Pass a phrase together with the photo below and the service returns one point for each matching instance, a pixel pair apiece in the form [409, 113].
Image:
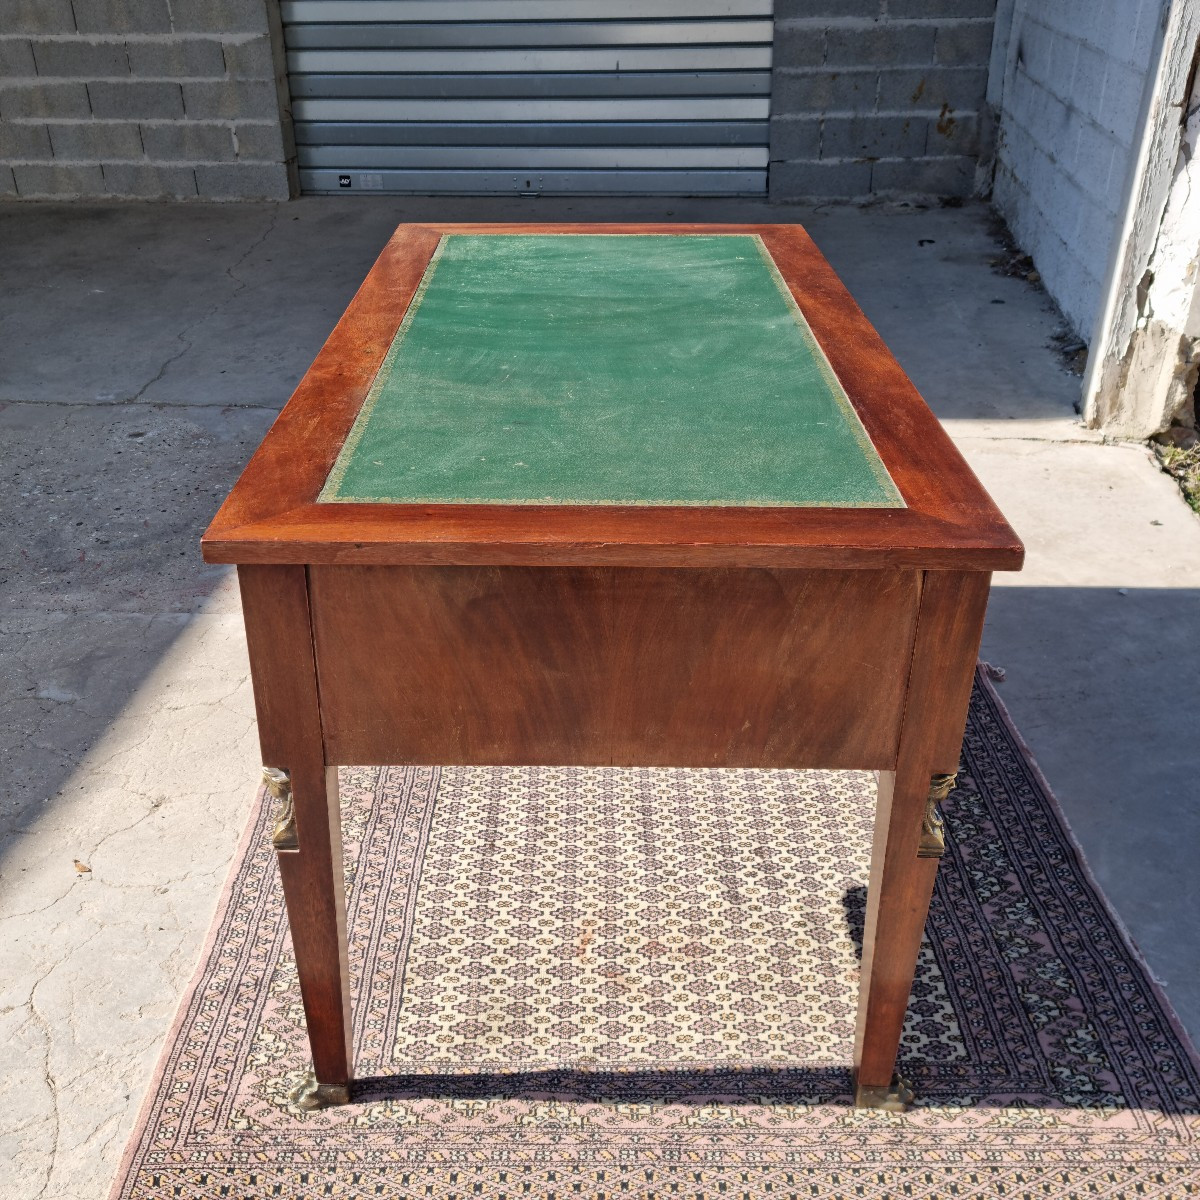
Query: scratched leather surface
[627, 369]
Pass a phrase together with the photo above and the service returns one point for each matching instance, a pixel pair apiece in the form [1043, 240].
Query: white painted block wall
[1072, 94]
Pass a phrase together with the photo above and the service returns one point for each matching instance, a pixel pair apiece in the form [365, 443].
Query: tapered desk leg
[908, 842]
[307, 834]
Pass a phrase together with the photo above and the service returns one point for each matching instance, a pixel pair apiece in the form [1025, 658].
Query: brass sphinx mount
[279, 783]
[933, 831]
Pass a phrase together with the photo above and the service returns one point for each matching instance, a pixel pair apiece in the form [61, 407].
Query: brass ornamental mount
[279, 784]
[896, 1096]
[309, 1095]
[933, 832]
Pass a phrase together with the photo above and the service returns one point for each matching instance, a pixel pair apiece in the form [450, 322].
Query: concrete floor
[143, 352]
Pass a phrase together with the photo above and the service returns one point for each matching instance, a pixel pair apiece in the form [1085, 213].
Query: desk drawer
[627, 666]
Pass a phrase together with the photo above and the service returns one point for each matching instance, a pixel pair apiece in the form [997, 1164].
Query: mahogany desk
[641, 495]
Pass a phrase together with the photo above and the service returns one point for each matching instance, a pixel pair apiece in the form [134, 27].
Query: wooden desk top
[554, 394]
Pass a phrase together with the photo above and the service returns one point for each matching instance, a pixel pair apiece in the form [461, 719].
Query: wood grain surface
[624, 666]
[949, 628]
[275, 604]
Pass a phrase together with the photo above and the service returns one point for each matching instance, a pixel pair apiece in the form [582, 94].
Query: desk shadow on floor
[732, 1085]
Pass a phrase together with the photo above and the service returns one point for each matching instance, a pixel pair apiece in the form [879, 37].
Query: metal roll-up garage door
[550, 96]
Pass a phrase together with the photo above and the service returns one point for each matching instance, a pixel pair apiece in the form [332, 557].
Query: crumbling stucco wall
[1145, 353]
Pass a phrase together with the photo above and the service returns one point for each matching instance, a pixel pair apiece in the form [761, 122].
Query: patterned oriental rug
[602, 983]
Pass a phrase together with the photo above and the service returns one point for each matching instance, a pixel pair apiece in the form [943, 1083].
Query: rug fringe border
[984, 679]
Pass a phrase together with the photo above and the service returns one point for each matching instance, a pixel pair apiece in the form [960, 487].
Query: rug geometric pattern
[642, 982]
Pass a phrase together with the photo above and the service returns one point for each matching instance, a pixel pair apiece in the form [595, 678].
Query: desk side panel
[613, 666]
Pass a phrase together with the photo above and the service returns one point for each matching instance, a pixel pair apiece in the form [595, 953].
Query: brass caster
[896, 1096]
[309, 1095]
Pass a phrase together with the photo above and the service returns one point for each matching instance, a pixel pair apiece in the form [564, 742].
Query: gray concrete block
[188, 141]
[231, 99]
[819, 91]
[16, 58]
[795, 137]
[123, 16]
[930, 88]
[136, 99]
[181, 59]
[786, 10]
[963, 44]
[243, 181]
[801, 180]
[260, 141]
[1096, 150]
[886, 43]
[250, 60]
[1060, 198]
[220, 16]
[924, 177]
[1121, 105]
[149, 181]
[1111, 26]
[1044, 116]
[873, 136]
[36, 16]
[798, 45]
[37, 99]
[944, 9]
[57, 179]
[8, 184]
[953, 133]
[1019, 101]
[98, 140]
[1040, 47]
[1139, 49]
[91, 60]
[1060, 57]
[24, 142]
[1095, 227]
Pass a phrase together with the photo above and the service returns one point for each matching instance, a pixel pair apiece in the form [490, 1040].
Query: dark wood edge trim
[358, 546]
[923, 461]
[519, 554]
[291, 463]
[603, 227]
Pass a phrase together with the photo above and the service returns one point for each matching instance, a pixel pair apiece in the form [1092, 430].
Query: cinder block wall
[879, 97]
[1072, 96]
[148, 98]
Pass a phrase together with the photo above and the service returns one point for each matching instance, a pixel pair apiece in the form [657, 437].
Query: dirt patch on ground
[1184, 467]
[1012, 261]
[1178, 453]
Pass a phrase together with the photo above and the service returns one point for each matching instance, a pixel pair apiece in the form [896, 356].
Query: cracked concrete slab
[92, 965]
[145, 351]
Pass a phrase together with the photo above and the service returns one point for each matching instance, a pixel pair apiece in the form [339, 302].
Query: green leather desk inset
[607, 369]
